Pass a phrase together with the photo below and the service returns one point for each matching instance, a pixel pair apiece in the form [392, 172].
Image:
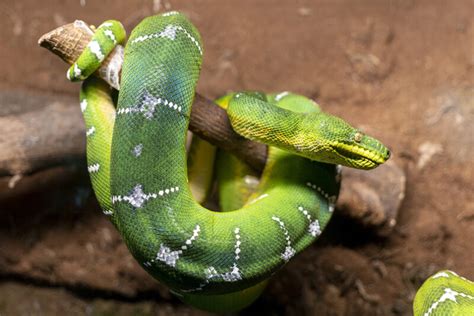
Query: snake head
[334, 141]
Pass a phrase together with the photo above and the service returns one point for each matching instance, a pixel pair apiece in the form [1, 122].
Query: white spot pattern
[110, 35]
[211, 273]
[258, 198]
[137, 197]
[230, 276]
[314, 228]
[170, 13]
[137, 150]
[90, 131]
[170, 33]
[237, 243]
[193, 237]
[169, 257]
[93, 168]
[461, 277]
[148, 107]
[289, 251]
[280, 96]
[83, 105]
[94, 46]
[108, 212]
[440, 274]
[77, 71]
[331, 199]
[449, 294]
[233, 275]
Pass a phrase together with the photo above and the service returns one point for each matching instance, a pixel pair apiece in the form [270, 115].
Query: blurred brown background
[402, 70]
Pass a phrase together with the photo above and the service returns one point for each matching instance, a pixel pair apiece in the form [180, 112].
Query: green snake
[138, 167]
[445, 293]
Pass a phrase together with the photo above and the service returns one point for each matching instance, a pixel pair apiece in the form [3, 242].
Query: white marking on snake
[230, 276]
[90, 131]
[93, 168]
[258, 198]
[77, 71]
[192, 39]
[314, 229]
[169, 257]
[137, 150]
[148, 106]
[110, 35]
[94, 46]
[170, 33]
[211, 273]
[449, 294]
[170, 13]
[106, 24]
[195, 235]
[331, 207]
[233, 275]
[237, 243]
[280, 96]
[461, 277]
[289, 251]
[138, 197]
[108, 212]
[83, 105]
[440, 274]
[331, 199]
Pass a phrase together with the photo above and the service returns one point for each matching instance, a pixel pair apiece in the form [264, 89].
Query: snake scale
[137, 161]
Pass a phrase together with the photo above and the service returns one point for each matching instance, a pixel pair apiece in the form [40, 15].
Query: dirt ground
[402, 70]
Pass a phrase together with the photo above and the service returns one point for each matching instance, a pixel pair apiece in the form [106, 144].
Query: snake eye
[358, 137]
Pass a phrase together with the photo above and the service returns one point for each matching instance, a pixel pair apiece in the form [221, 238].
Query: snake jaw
[367, 153]
[330, 139]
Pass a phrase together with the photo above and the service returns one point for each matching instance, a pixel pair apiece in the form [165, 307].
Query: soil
[400, 70]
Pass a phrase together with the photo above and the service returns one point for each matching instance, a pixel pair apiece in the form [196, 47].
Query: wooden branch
[208, 120]
[38, 132]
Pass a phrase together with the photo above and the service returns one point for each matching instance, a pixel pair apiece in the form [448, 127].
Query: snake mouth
[362, 158]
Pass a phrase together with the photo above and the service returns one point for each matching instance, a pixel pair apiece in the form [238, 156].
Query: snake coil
[139, 170]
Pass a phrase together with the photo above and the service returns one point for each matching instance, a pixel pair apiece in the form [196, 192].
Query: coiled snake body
[138, 167]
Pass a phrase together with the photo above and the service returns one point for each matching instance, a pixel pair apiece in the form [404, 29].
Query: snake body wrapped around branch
[138, 167]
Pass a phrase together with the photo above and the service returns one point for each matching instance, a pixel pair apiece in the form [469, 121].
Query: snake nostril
[388, 154]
